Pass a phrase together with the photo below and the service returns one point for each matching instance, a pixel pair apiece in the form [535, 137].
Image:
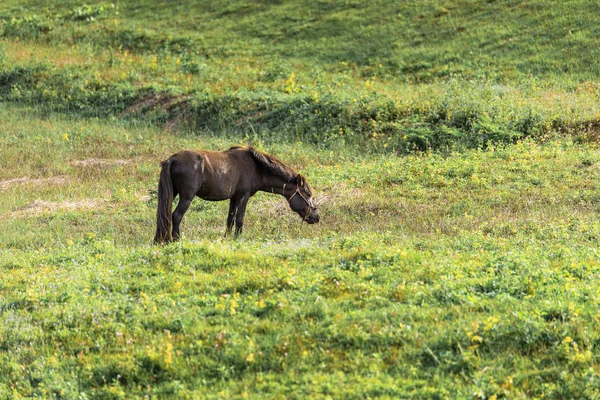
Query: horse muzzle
[312, 219]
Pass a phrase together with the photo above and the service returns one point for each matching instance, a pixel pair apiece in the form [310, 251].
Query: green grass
[461, 276]
[453, 148]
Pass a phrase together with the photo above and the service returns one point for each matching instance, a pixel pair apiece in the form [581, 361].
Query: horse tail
[164, 221]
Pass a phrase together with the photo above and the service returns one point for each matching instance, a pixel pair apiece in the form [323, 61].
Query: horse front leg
[239, 215]
[233, 203]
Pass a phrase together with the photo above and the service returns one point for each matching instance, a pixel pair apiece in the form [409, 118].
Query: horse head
[302, 202]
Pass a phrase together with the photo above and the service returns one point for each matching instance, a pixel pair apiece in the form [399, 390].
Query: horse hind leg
[182, 207]
[187, 180]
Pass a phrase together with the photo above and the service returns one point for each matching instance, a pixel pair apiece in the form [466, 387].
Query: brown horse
[235, 174]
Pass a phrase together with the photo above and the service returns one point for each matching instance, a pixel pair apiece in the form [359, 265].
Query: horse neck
[278, 185]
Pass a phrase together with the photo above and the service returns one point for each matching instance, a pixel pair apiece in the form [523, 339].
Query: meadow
[452, 147]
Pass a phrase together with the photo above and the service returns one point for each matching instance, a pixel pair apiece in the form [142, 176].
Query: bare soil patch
[54, 180]
[155, 101]
[100, 162]
[39, 207]
[176, 106]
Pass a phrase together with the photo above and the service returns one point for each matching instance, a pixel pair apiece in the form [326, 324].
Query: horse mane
[273, 164]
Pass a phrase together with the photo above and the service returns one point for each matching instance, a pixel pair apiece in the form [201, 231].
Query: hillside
[385, 76]
[411, 41]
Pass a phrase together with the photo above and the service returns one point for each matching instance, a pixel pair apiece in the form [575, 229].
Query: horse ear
[299, 180]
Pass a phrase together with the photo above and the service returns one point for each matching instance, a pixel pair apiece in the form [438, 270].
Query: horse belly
[209, 192]
[218, 189]
[213, 197]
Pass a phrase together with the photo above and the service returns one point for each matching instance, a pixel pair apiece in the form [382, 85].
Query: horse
[235, 174]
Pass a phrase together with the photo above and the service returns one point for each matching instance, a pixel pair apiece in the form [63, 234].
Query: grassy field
[470, 275]
[452, 146]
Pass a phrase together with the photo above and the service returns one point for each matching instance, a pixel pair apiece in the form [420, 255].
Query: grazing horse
[235, 174]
